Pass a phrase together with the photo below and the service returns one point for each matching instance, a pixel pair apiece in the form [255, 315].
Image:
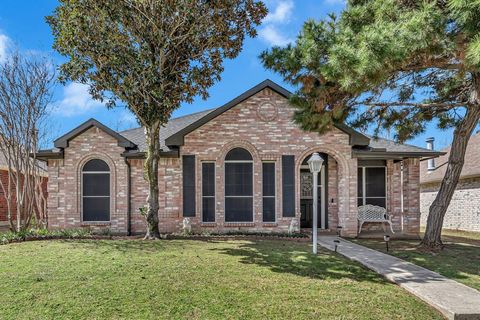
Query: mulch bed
[218, 237]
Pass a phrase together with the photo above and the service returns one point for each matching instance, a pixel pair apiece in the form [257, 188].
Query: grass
[187, 279]
[459, 260]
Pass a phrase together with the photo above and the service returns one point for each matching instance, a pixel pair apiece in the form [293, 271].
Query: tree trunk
[432, 239]
[151, 174]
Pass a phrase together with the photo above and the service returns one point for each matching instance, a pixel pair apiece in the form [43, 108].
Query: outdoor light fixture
[337, 242]
[386, 238]
[339, 230]
[315, 164]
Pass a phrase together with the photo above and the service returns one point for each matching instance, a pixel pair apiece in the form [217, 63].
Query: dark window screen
[96, 209]
[208, 192]
[238, 186]
[288, 185]
[268, 209]
[188, 169]
[96, 184]
[375, 182]
[96, 191]
[238, 154]
[238, 179]
[208, 179]
[239, 209]
[96, 165]
[360, 182]
[268, 183]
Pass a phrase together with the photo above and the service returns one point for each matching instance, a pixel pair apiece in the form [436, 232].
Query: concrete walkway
[453, 299]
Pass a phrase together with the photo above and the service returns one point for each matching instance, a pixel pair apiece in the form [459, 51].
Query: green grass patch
[459, 260]
[186, 279]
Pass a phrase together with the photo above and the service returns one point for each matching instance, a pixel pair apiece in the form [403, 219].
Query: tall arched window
[238, 186]
[96, 191]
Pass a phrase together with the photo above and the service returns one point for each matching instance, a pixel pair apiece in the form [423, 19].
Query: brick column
[332, 196]
[394, 193]
[347, 187]
[411, 196]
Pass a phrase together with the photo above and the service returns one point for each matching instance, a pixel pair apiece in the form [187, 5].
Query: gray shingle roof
[173, 133]
[392, 146]
[137, 135]
[471, 166]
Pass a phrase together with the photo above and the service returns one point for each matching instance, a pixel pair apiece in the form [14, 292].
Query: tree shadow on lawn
[458, 260]
[296, 259]
[277, 255]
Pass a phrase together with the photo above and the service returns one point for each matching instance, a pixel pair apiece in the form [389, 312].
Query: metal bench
[371, 213]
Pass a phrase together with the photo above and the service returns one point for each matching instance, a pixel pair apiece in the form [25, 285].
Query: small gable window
[238, 186]
[96, 191]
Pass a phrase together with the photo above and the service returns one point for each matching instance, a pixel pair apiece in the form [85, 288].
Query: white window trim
[364, 185]
[109, 195]
[214, 192]
[225, 189]
[275, 190]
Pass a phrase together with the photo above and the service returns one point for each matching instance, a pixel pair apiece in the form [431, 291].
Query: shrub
[35, 234]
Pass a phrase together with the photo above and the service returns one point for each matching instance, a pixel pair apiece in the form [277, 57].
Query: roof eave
[142, 155]
[63, 141]
[372, 154]
[45, 155]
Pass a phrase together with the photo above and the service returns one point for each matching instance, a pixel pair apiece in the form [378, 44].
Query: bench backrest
[371, 212]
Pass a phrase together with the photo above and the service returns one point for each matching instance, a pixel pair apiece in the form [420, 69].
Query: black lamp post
[386, 238]
[336, 242]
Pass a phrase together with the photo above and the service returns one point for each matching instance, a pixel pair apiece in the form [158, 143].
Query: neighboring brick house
[464, 210]
[238, 167]
[4, 224]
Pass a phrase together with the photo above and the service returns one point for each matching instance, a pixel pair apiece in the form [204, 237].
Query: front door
[306, 199]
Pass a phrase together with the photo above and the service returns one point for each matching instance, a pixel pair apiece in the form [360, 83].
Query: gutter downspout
[129, 193]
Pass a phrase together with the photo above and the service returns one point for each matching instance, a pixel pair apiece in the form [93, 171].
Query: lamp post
[315, 164]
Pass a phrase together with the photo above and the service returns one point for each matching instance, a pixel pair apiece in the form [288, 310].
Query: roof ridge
[176, 118]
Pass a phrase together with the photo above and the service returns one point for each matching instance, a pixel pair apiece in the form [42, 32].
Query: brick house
[463, 213]
[4, 224]
[238, 167]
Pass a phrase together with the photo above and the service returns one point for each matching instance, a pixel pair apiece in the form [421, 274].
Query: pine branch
[447, 105]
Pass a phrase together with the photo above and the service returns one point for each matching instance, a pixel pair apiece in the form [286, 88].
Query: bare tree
[26, 84]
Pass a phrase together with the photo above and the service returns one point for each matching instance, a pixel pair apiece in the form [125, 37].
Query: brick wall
[3, 199]
[64, 186]
[464, 210]
[261, 124]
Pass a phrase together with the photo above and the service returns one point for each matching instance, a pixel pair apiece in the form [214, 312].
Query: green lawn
[459, 260]
[186, 279]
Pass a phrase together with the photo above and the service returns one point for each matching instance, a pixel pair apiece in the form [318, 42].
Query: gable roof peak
[63, 141]
[177, 139]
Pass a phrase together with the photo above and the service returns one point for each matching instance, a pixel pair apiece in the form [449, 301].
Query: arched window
[238, 186]
[96, 191]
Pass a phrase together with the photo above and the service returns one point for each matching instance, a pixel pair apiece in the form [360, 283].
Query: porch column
[394, 193]
[411, 196]
[347, 188]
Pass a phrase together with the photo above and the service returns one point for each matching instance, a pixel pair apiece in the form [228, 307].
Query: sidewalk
[453, 299]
